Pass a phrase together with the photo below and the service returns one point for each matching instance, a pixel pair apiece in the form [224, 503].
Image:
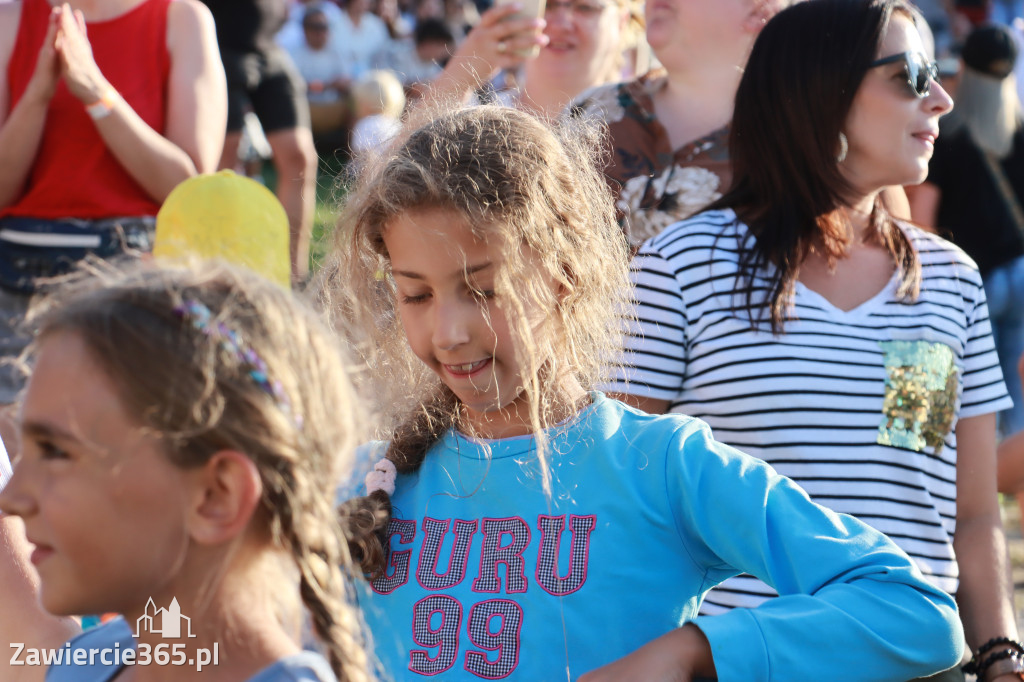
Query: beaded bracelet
[976, 665]
[996, 641]
[1001, 663]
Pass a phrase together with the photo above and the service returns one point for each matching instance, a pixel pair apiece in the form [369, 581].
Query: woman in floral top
[669, 128]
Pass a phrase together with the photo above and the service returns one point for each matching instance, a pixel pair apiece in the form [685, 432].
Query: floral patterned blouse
[654, 185]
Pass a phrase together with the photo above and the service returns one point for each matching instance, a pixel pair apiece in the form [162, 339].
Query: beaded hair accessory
[201, 319]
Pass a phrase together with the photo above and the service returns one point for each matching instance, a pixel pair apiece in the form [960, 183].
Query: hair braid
[308, 529]
[365, 519]
[321, 587]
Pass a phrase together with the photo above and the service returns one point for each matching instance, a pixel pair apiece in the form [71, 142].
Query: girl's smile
[469, 369]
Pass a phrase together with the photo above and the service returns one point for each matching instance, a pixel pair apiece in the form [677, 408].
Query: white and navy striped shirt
[857, 406]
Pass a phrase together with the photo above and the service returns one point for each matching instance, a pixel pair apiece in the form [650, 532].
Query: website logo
[164, 622]
[169, 623]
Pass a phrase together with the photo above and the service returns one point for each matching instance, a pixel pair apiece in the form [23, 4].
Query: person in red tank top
[105, 106]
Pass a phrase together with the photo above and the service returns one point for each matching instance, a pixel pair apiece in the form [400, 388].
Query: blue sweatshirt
[491, 578]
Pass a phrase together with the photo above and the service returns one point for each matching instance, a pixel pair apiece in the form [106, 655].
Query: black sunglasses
[920, 72]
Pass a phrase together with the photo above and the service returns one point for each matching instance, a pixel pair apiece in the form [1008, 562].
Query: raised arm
[497, 42]
[21, 128]
[196, 100]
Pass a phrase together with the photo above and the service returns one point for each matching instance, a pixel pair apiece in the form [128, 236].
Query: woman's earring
[844, 147]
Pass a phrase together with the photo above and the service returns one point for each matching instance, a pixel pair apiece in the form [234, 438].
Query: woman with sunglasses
[811, 329]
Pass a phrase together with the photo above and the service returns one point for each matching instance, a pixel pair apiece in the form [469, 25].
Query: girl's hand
[44, 79]
[503, 40]
[681, 655]
[77, 65]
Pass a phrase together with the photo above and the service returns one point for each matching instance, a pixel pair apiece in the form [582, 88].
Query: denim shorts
[32, 250]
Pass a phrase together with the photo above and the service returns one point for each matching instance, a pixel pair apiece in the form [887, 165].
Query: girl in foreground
[178, 431]
[535, 530]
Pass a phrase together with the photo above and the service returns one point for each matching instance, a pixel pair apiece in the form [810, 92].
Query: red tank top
[74, 176]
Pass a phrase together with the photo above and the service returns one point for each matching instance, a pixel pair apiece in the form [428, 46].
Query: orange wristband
[103, 106]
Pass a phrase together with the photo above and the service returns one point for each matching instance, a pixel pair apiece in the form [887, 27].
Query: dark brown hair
[791, 105]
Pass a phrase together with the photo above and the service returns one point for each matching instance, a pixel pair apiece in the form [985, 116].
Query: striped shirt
[857, 406]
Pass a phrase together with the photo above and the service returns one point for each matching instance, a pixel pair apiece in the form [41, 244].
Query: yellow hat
[225, 216]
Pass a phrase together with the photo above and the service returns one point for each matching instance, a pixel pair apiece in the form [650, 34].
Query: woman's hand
[77, 65]
[502, 39]
[681, 655]
[499, 41]
[44, 79]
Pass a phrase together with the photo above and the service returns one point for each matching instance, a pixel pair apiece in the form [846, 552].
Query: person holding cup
[564, 48]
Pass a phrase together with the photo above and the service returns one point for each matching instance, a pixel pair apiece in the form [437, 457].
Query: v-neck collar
[812, 297]
[857, 312]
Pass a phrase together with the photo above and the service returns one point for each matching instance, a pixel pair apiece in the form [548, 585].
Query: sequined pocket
[921, 385]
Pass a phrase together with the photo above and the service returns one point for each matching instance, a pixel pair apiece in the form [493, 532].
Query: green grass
[328, 200]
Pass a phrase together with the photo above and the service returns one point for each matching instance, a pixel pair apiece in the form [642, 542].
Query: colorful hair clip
[202, 320]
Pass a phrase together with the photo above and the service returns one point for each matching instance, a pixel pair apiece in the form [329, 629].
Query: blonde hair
[380, 92]
[537, 193]
[199, 397]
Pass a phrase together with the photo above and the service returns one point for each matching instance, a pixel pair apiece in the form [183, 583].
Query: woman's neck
[858, 214]
[236, 617]
[696, 101]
